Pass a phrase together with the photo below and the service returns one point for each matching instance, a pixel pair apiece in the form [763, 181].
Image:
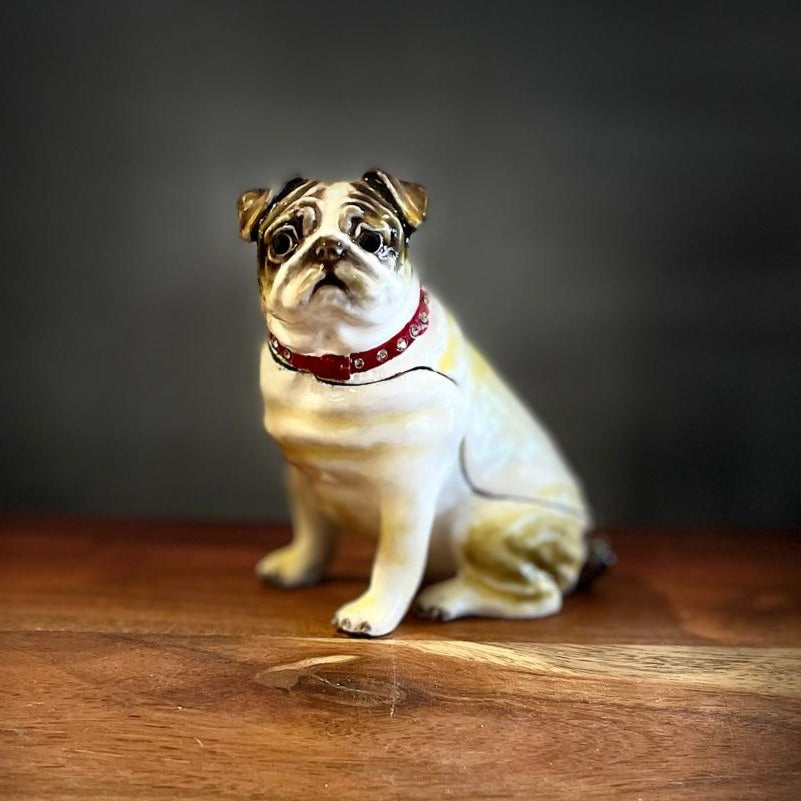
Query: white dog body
[428, 452]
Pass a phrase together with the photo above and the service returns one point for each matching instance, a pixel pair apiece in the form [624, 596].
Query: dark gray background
[615, 215]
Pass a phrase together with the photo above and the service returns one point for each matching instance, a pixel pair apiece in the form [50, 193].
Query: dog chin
[330, 291]
[325, 299]
[331, 304]
[331, 298]
[330, 281]
[345, 290]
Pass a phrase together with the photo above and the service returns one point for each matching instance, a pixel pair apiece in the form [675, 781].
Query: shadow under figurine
[394, 426]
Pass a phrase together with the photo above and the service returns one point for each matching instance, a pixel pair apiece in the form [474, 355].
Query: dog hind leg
[514, 563]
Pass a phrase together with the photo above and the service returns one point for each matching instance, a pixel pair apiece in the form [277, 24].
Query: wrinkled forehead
[330, 202]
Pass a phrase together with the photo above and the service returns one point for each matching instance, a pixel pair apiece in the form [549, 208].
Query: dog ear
[252, 206]
[411, 200]
[255, 203]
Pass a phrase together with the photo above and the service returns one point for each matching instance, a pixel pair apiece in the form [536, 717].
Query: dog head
[333, 257]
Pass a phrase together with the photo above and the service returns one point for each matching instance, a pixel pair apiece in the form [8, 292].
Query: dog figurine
[393, 426]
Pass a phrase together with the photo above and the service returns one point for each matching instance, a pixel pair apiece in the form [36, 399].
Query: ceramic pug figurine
[393, 425]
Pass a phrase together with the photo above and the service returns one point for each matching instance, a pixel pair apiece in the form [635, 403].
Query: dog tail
[600, 557]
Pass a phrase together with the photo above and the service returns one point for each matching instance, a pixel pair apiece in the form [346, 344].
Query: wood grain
[144, 661]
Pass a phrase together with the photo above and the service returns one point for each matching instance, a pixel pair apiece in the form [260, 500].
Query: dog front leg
[303, 561]
[400, 560]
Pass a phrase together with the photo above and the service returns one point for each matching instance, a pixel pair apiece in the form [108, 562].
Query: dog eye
[283, 241]
[370, 241]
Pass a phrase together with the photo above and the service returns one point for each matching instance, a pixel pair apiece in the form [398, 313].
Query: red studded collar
[333, 367]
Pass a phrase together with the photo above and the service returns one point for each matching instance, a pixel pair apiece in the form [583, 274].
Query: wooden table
[145, 661]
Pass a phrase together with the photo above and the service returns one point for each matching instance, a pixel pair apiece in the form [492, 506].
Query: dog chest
[374, 432]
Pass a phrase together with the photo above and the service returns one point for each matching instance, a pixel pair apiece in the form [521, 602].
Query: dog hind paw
[286, 567]
[432, 612]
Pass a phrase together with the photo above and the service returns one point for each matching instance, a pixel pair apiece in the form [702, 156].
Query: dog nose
[329, 249]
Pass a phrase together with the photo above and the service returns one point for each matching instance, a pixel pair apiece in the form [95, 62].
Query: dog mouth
[332, 280]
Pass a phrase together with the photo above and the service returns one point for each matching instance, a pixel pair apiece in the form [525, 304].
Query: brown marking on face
[309, 189]
[374, 214]
[296, 215]
[410, 200]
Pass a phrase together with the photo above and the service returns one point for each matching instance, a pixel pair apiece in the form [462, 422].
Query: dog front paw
[443, 601]
[366, 617]
[288, 567]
